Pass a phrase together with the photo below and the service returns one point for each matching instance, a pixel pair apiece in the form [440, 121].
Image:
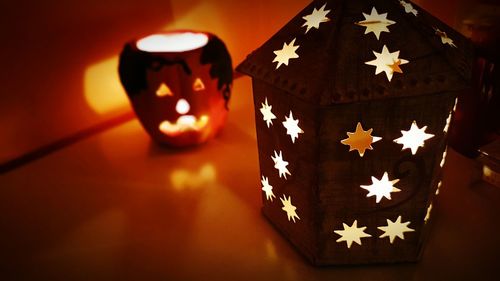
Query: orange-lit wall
[59, 58]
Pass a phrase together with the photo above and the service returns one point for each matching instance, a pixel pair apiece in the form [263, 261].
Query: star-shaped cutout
[267, 188]
[387, 62]
[444, 38]
[381, 188]
[376, 23]
[395, 67]
[289, 208]
[428, 214]
[414, 138]
[408, 8]
[360, 140]
[267, 114]
[280, 164]
[395, 229]
[292, 127]
[288, 52]
[316, 18]
[352, 234]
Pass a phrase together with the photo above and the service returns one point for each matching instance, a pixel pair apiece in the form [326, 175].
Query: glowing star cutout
[395, 67]
[395, 229]
[292, 127]
[360, 140]
[280, 164]
[316, 18]
[198, 85]
[414, 138]
[408, 8]
[267, 114]
[428, 214]
[289, 208]
[376, 23]
[387, 62]
[267, 188]
[287, 53]
[444, 38]
[164, 91]
[381, 188]
[352, 234]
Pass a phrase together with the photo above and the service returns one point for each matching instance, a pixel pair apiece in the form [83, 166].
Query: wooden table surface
[116, 206]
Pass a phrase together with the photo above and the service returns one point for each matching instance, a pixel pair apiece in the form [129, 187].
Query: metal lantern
[353, 103]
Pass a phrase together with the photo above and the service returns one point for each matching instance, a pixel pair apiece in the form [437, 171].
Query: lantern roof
[342, 51]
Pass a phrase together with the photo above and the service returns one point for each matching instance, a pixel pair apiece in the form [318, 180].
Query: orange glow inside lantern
[179, 84]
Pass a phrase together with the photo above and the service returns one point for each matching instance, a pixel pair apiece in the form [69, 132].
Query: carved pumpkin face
[181, 96]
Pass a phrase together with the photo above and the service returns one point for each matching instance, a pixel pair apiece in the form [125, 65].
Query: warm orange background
[117, 207]
[59, 58]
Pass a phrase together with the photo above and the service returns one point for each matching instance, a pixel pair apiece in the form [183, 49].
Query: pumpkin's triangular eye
[164, 91]
[198, 85]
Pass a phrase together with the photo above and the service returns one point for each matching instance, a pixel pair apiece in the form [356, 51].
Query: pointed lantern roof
[341, 51]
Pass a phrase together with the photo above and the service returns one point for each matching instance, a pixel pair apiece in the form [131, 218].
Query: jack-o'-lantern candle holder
[179, 84]
[353, 102]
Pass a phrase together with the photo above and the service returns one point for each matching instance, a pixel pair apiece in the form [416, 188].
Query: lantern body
[180, 97]
[326, 178]
[328, 89]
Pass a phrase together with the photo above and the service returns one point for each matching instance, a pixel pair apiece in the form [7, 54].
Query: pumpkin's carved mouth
[185, 123]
